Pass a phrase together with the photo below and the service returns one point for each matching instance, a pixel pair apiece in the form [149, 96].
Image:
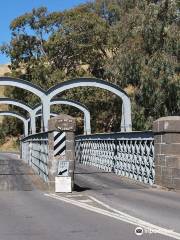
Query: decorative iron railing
[129, 154]
[35, 153]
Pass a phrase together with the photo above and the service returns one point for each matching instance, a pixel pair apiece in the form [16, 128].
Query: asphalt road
[153, 204]
[26, 213]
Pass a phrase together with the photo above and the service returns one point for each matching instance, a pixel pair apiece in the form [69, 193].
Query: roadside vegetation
[131, 43]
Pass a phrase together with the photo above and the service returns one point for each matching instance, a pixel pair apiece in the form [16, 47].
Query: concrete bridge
[97, 186]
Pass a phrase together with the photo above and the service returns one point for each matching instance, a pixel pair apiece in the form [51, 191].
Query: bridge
[97, 186]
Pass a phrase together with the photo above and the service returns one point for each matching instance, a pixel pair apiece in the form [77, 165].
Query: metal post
[33, 122]
[87, 123]
[46, 112]
[26, 128]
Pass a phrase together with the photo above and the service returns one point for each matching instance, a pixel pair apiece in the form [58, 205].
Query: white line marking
[119, 216]
[85, 201]
[71, 196]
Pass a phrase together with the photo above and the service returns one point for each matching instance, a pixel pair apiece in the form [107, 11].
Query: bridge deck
[27, 214]
[15, 175]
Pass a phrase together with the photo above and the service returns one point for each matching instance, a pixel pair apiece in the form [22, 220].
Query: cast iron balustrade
[35, 152]
[126, 154]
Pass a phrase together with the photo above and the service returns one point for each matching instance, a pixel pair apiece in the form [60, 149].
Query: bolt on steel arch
[126, 122]
[81, 107]
[19, 116]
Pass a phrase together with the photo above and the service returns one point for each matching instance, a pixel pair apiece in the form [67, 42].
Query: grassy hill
[10, 143]
[3, 70]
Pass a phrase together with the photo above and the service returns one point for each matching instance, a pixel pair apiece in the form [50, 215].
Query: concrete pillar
[167, 151]
[64, 124]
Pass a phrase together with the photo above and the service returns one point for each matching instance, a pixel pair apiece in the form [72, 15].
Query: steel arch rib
[19, 116]
[94, 82]
[16, 82]
[81, 107]
[24, 106]
[15, 102]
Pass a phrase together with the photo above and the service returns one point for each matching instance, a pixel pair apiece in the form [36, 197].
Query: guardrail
[129, 154]
[35, 152]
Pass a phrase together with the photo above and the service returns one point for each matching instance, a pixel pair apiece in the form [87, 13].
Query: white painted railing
[126, 154]
[35, 153]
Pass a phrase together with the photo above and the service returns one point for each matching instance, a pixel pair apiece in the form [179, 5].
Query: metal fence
[129, 154]
[35, 152]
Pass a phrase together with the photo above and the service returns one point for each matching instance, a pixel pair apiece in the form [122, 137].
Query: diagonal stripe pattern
[59, 143]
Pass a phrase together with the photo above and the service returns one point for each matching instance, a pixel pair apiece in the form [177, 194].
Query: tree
[134, 44]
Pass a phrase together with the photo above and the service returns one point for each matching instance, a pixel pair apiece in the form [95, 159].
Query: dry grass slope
[10, 143]
[4, 69]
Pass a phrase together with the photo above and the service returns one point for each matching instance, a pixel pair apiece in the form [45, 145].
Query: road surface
[28, 211]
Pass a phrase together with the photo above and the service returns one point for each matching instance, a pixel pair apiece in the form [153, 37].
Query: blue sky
[11, 9]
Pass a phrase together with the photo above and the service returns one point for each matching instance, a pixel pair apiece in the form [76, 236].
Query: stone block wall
[167, 151]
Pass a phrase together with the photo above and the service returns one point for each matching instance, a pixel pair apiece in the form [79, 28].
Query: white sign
[63, 184]
[63, 168]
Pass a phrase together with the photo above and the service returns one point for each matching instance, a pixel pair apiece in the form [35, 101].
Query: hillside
[3, 70]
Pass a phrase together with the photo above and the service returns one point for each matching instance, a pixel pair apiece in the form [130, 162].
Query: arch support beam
[24, 106]
[46, 96]
[81, 107]
[93, 82]
[15, 82]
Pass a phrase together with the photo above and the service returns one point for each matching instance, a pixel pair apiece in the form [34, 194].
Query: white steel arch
[81, 107]
[16, 82]
[40, 115]
[13, 114]
[126, 124]
[24, 106]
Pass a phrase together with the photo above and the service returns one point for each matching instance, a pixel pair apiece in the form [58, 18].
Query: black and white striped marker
[59, 143]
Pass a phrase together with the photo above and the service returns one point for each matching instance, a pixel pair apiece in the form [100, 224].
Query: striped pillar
[59, 143]
[61, 147]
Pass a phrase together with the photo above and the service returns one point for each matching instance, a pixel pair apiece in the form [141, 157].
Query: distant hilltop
[4, 69]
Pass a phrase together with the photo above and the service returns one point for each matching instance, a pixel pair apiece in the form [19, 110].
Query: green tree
[132, 43]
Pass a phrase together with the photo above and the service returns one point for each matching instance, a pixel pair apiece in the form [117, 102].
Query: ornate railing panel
[35, 152]
[128, 154]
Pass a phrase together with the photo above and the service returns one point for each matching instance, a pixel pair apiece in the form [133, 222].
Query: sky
[10, 9]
